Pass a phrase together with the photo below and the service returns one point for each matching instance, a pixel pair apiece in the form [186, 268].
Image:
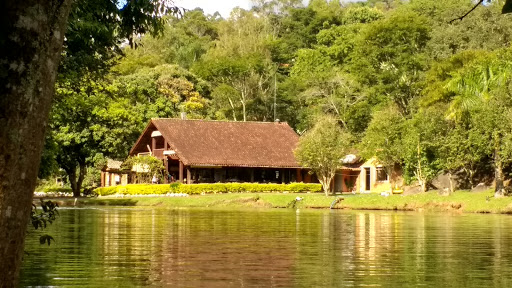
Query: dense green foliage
[149, 189]
[147, 167]
[321, 149]
[408, 86]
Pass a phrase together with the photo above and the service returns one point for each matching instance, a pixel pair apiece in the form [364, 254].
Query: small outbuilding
[365, 176]
[112, 175]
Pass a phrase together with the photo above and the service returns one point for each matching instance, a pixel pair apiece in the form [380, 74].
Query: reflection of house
[363, 176]
[111, 174]
[203, 151]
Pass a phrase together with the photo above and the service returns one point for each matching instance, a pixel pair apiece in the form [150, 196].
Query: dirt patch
[444, 206]
[248, 201]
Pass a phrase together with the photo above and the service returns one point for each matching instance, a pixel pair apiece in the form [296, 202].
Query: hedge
[134, 189]
[248, 188]
[145, 189]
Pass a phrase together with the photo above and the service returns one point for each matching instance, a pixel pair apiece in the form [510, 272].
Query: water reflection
[271, 248]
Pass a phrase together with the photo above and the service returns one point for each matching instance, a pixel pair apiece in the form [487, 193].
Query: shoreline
[460, 201]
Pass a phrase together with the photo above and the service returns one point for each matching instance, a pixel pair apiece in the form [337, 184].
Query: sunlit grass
[463, 201]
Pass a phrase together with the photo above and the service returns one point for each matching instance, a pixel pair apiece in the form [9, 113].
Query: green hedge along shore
[152, 189]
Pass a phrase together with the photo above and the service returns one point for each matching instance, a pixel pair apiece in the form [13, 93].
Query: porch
[177, 171]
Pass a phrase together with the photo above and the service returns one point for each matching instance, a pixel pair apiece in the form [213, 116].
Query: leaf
[46, 239]
[507, 8]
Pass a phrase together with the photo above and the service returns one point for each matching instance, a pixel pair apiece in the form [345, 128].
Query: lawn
[462, 201]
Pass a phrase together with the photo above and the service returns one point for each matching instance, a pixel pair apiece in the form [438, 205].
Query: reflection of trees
[193, 246]
[199, 248]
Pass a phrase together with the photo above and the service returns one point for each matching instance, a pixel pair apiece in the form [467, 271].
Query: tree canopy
[399, 76]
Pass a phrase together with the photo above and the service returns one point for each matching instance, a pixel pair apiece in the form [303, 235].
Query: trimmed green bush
[175, 187]
[57, 189]
[146, 189]
[249, 188]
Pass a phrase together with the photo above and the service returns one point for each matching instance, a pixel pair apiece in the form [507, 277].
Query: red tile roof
[223, 143]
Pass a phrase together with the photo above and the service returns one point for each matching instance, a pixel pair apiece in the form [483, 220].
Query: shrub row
[134, 189]
[146, 189]
[248, 187]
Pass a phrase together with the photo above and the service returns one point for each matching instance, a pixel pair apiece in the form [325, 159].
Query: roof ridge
[223, 121]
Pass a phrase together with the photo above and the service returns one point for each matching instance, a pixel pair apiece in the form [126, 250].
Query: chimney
[277, 121]
[183, 115]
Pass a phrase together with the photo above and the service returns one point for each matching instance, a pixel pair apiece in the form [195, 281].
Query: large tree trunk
[32, 31]
[80, 181]
[419, 173]
[72, 178]
[74, 181]
[326, 180]
[450, 178]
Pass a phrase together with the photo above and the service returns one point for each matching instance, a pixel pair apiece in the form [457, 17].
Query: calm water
[271, 248]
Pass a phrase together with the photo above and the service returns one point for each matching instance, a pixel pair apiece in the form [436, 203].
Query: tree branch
[464, 16]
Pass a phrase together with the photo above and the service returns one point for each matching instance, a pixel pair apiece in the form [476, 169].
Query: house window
[382, 176]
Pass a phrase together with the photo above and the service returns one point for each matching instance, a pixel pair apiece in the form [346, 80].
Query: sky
[224, 7]
[211, 6]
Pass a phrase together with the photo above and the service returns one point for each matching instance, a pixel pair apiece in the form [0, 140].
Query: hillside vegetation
[408, 86]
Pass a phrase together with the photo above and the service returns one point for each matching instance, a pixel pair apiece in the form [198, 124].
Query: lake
[132, 247]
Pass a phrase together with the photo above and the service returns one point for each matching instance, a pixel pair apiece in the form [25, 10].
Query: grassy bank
[461, 201]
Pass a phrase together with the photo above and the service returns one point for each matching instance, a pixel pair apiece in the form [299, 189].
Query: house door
[367, 182]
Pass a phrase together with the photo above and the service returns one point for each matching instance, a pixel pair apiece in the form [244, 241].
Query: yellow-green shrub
[57, 189]
[105, 191]
[134, 189]
[248, 188]
[147, 189]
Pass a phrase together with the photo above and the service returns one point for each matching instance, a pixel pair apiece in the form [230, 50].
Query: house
[111, 174]
[360, 176]
[206, 151]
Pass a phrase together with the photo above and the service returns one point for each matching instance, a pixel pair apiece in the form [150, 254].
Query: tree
[146, 168]
[72, 118]
[322, 149]
[337, 96]
[34, 31]
[241, 60]
[473, 33]
[184, 41]
[463, 149]
[483, 95]
[383, 138]
[389, 57]
[423, 135]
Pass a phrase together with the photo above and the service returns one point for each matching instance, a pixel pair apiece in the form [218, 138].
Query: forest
[407, 81]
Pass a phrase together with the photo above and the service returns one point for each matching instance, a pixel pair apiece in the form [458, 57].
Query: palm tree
[482, 90]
